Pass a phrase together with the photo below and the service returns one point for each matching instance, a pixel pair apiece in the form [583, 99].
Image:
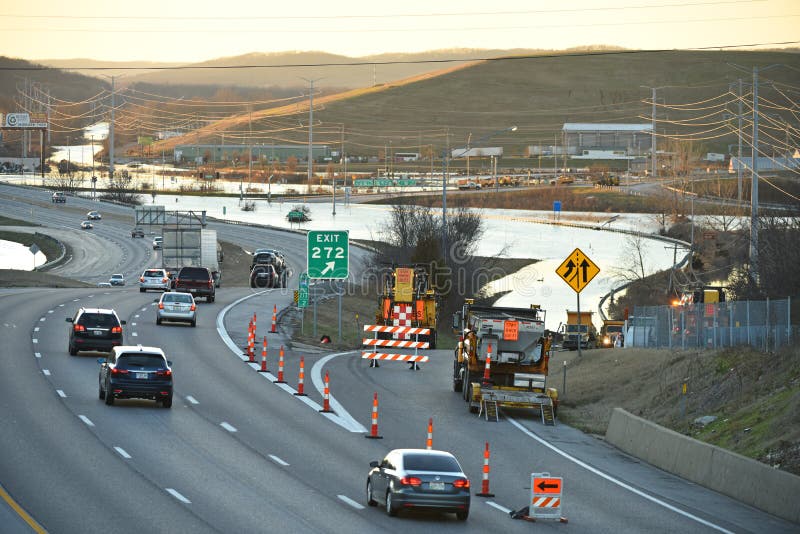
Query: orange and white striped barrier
[418, 358]
[280, 379]
[326, 395]
[405, 330]
[429, 441]
[301, 378]
[545, 500]
[373, 434]
[274, 318]
[486, 370]
[485, 481]
[395, 343]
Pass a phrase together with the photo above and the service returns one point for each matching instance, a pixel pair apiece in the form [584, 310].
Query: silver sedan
[176, 307]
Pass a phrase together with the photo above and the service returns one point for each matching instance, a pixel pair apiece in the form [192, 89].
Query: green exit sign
[328, 254]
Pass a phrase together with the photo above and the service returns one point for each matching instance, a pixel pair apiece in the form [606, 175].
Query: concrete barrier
[744, 479]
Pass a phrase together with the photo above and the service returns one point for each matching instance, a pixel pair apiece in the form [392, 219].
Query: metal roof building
[584, 136]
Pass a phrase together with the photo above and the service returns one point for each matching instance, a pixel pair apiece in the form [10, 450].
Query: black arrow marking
[543, 486]
[570, 267]
[585, 267]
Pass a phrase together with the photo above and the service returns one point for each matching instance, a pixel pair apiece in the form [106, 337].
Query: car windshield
[153, 274]
[103, 320]
[430, 462]
[116, 276]
[141, 361]
[177, 297]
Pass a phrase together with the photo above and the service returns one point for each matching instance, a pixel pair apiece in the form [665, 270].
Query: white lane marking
[501, 508]
[46, 372]
[86, 420]
[351, 502]
[61, 394]
[90, 296]
[144, 309]
[37, 354]
[614, 480]
[133, 324]
[341, 417]
[42, 319]
[134, 334]
[36, 329]
[49, 311]
[228, 426]
[136, 316]
[122, 453]
[191, 399]
[75, 300]
[278, 460]
[60, 305]
[316, 377]
[35, 340]
[178, 496]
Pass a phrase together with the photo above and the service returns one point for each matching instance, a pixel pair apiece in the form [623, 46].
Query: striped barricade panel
[394, 357]
[396, 343]
[397, 329]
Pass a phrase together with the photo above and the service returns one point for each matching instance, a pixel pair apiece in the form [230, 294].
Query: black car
[137, 232]
[94, 329]
[264, 275]
[135, 372]
[412, 479]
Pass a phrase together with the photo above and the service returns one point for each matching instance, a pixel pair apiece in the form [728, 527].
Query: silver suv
[154, 279]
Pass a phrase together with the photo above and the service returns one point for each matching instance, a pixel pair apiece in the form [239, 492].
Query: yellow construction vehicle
[609, 333]
[407, 299]
[516, 346]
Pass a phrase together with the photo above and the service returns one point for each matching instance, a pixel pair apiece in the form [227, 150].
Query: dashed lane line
[61, 393]
[228, 426]
[178, 496]
[501, 508]
[351, 502]
[278, 460]
[46, 372]
[191, 399]
[86, 420]
[122, 453]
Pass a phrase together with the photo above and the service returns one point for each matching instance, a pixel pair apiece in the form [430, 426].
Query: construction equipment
[609, 332]
[579, 328]
[516, 345]
[407, 300]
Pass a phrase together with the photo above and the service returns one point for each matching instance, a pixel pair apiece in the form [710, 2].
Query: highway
[239, 453]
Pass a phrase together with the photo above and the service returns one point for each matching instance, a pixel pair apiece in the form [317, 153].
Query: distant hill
[538, 94]
[61, 84]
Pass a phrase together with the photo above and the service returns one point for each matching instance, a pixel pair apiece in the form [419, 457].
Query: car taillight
[141, 278]
[79, 328]
[116, 330]
[461, 483]
[164, 280]
[160, 305]
[410, 481]
[193, 307]
[177, 281]
[210, 283]
[164, 372]
[115, 371]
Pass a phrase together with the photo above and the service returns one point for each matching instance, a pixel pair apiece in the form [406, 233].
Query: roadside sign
[511, 330]
[546, 485]
[577, 270]
[328, 254]
[545, 500]
[302, 292]
[34, 248]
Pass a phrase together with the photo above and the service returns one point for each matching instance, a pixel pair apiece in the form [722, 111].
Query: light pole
[445, 163]
[310, 129]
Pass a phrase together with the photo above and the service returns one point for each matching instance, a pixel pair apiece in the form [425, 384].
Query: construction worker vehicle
[579, 328]
[408, 300]
[609, 332]
[502, 360]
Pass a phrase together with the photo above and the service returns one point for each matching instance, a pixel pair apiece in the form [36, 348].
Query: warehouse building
[583, 138]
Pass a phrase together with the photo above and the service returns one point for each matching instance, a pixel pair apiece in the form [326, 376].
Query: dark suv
[94, 329]
[196, 280]
[135, 372]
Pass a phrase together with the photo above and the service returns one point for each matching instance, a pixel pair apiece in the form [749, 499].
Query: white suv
[154, 279]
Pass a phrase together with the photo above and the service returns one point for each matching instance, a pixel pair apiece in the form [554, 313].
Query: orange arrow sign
[546, 485]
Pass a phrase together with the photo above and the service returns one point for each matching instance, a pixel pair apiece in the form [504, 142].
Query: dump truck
[517, 347]
[609, 333]
[572, 332]
[408, 299]
[191, 247]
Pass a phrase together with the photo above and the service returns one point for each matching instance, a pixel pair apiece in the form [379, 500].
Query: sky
[183, 31]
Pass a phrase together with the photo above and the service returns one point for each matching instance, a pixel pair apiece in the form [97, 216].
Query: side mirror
[374, 464]
[169, 362]
[69, 319]
[156, 300]
[124, 322]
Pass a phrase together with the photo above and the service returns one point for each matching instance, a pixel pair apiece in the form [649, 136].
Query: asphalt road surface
[240, 453]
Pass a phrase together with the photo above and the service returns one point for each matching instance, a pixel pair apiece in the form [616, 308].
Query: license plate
[98, 333]
[436, 485]
[193, 290]
[142, 375]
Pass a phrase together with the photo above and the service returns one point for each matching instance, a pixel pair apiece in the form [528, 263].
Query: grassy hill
[536, 93]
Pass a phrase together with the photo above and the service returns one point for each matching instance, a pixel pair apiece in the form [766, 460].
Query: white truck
[191, 246]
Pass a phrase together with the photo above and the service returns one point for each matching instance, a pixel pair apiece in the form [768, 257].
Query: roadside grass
[8, 221]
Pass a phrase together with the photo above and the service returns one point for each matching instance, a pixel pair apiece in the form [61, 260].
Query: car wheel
[73, 351]
[194, 324]
[457, 381]
[370, 500]
[210, 298]
[465, 383]
[109, 396]
[390, 509]
[141, 290]
[167, 402]
[158, 320]
[100, 393]
[462, 516]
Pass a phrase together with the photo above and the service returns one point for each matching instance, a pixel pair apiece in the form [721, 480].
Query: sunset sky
[178, 30]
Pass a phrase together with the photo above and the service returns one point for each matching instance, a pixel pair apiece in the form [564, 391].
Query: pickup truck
[196, 280]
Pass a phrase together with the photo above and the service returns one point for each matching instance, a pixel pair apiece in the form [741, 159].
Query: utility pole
[310, 130]
[111, 136]
[754, 186]
[739, 167]
[653, 147]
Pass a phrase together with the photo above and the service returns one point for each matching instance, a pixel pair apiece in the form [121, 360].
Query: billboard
[23, 120]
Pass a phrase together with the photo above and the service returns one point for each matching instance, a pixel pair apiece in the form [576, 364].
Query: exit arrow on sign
[328, 268]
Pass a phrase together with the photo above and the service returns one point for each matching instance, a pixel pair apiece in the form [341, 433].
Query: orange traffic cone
[485, 483]
[300, 379]
[374, 430]
[280, 379]
[326, 393]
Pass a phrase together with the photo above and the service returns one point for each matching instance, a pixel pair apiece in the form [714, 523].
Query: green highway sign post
[328, 254]
[302, 298]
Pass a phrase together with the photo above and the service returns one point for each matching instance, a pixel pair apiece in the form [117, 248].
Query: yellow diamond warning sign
[577, 270]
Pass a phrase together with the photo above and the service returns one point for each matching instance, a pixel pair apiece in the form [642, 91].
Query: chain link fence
[765, 325]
